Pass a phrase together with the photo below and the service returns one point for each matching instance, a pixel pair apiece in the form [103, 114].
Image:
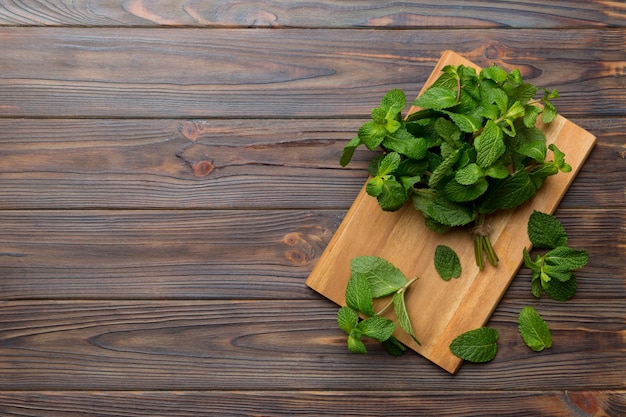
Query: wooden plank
[235, 73]
[443, 310]
[324, 13]
[283, 345]
[225, 254]
[104, 163]
[272, 403]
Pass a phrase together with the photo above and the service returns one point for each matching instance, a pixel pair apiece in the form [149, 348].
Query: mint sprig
[553, 270]
[471, 150]
[371, 278]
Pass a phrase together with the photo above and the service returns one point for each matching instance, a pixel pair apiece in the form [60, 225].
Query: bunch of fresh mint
[371, 278]
[472, 149]
[553, 271]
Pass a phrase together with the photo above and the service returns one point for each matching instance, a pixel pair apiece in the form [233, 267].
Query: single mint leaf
[394, 347]
[530, 117]
[469, 174]
[372, 134]
[559, 159]
[535, 266]
[531, 143]
[378, 328]
[562, 290]
[348, 151]
[447, 262]
[437, 98]
[444, 169]
[406, 144]
[546, 231]
[384, 278]
[533, 329]
[489, 145]
[466, 123]
[478, 345]
[494, 73]
[448, 132]
[374, 186]
[355, 344]
[567, 258]
[388, 164]
[449, 213]
[509, 192]
[393, 102]
[393, 195]
[399, 307]
[347, 319]
[359, 295]
[464, 193]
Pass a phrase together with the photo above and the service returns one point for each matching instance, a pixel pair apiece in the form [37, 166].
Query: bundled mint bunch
[473, 148]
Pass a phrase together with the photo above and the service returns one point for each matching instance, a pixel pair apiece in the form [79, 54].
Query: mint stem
[482, 244]
[400, 291]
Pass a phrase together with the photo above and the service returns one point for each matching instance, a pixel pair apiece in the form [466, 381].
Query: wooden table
[169, 176]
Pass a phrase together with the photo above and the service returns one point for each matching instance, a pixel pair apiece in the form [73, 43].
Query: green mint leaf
[545, 231]
[562, 290]
[559, 273]
[536, 285]
[530, 117]
[388, 164]
[492, 94]
[393, 102]
[406, 144]
[347, 319]
[497, 170]
[531, 143]
[437, 98]
[460, 193]
[394, 347]
[467, 123]
[529, 263]
[489, 145]
[384, 278]
[372, 134]
[494, 73]
[378, 328]
[559, 159]
[447, 262]
[566, 258]
[448, 131]
[359, 295]
[508, 193]
[449, 213]
[399, 307]
[469, 174]
[392, 196]
[355, 344]
[444, 169]
[478, 345]
[374, 186]
[348, 151]
[533, 329]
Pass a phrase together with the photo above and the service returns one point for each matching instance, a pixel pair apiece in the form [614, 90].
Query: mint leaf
[509, 192]
[531, 143]
[393, 102]
[469, 174]
[348, 151]
[399, 307]
[447, 262]
[562, 290]
[393, 195]
[533, 329]
[394, 347]
[545, 231]
[359, 295]
[559, 159]
[384, 278]
[406, 144]
[437, 98]
[466, 123]
[388, 164]
[355, 344]
[449, 213]
[376, 327]
[494, 73]
[478, 345]
[463, 193]
[489, 145]
[347, 319]
[372, 134]
[567, 258]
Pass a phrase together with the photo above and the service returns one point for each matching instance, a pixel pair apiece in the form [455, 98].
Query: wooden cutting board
[441, 310]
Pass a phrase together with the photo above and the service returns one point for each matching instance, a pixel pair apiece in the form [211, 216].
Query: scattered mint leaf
[478, 345]
[545, 231]
[533, 329]
[376, 327]
[447, 262]
[384, 278]
[359, 295]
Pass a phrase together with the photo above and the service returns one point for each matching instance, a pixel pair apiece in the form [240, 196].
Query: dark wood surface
[169, 176]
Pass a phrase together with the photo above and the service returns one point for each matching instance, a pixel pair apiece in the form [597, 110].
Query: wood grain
[446, 309]
[235, 73]
[323, 13]
[224, 254]
[312, 403]
[124, 164]
[283, 345]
